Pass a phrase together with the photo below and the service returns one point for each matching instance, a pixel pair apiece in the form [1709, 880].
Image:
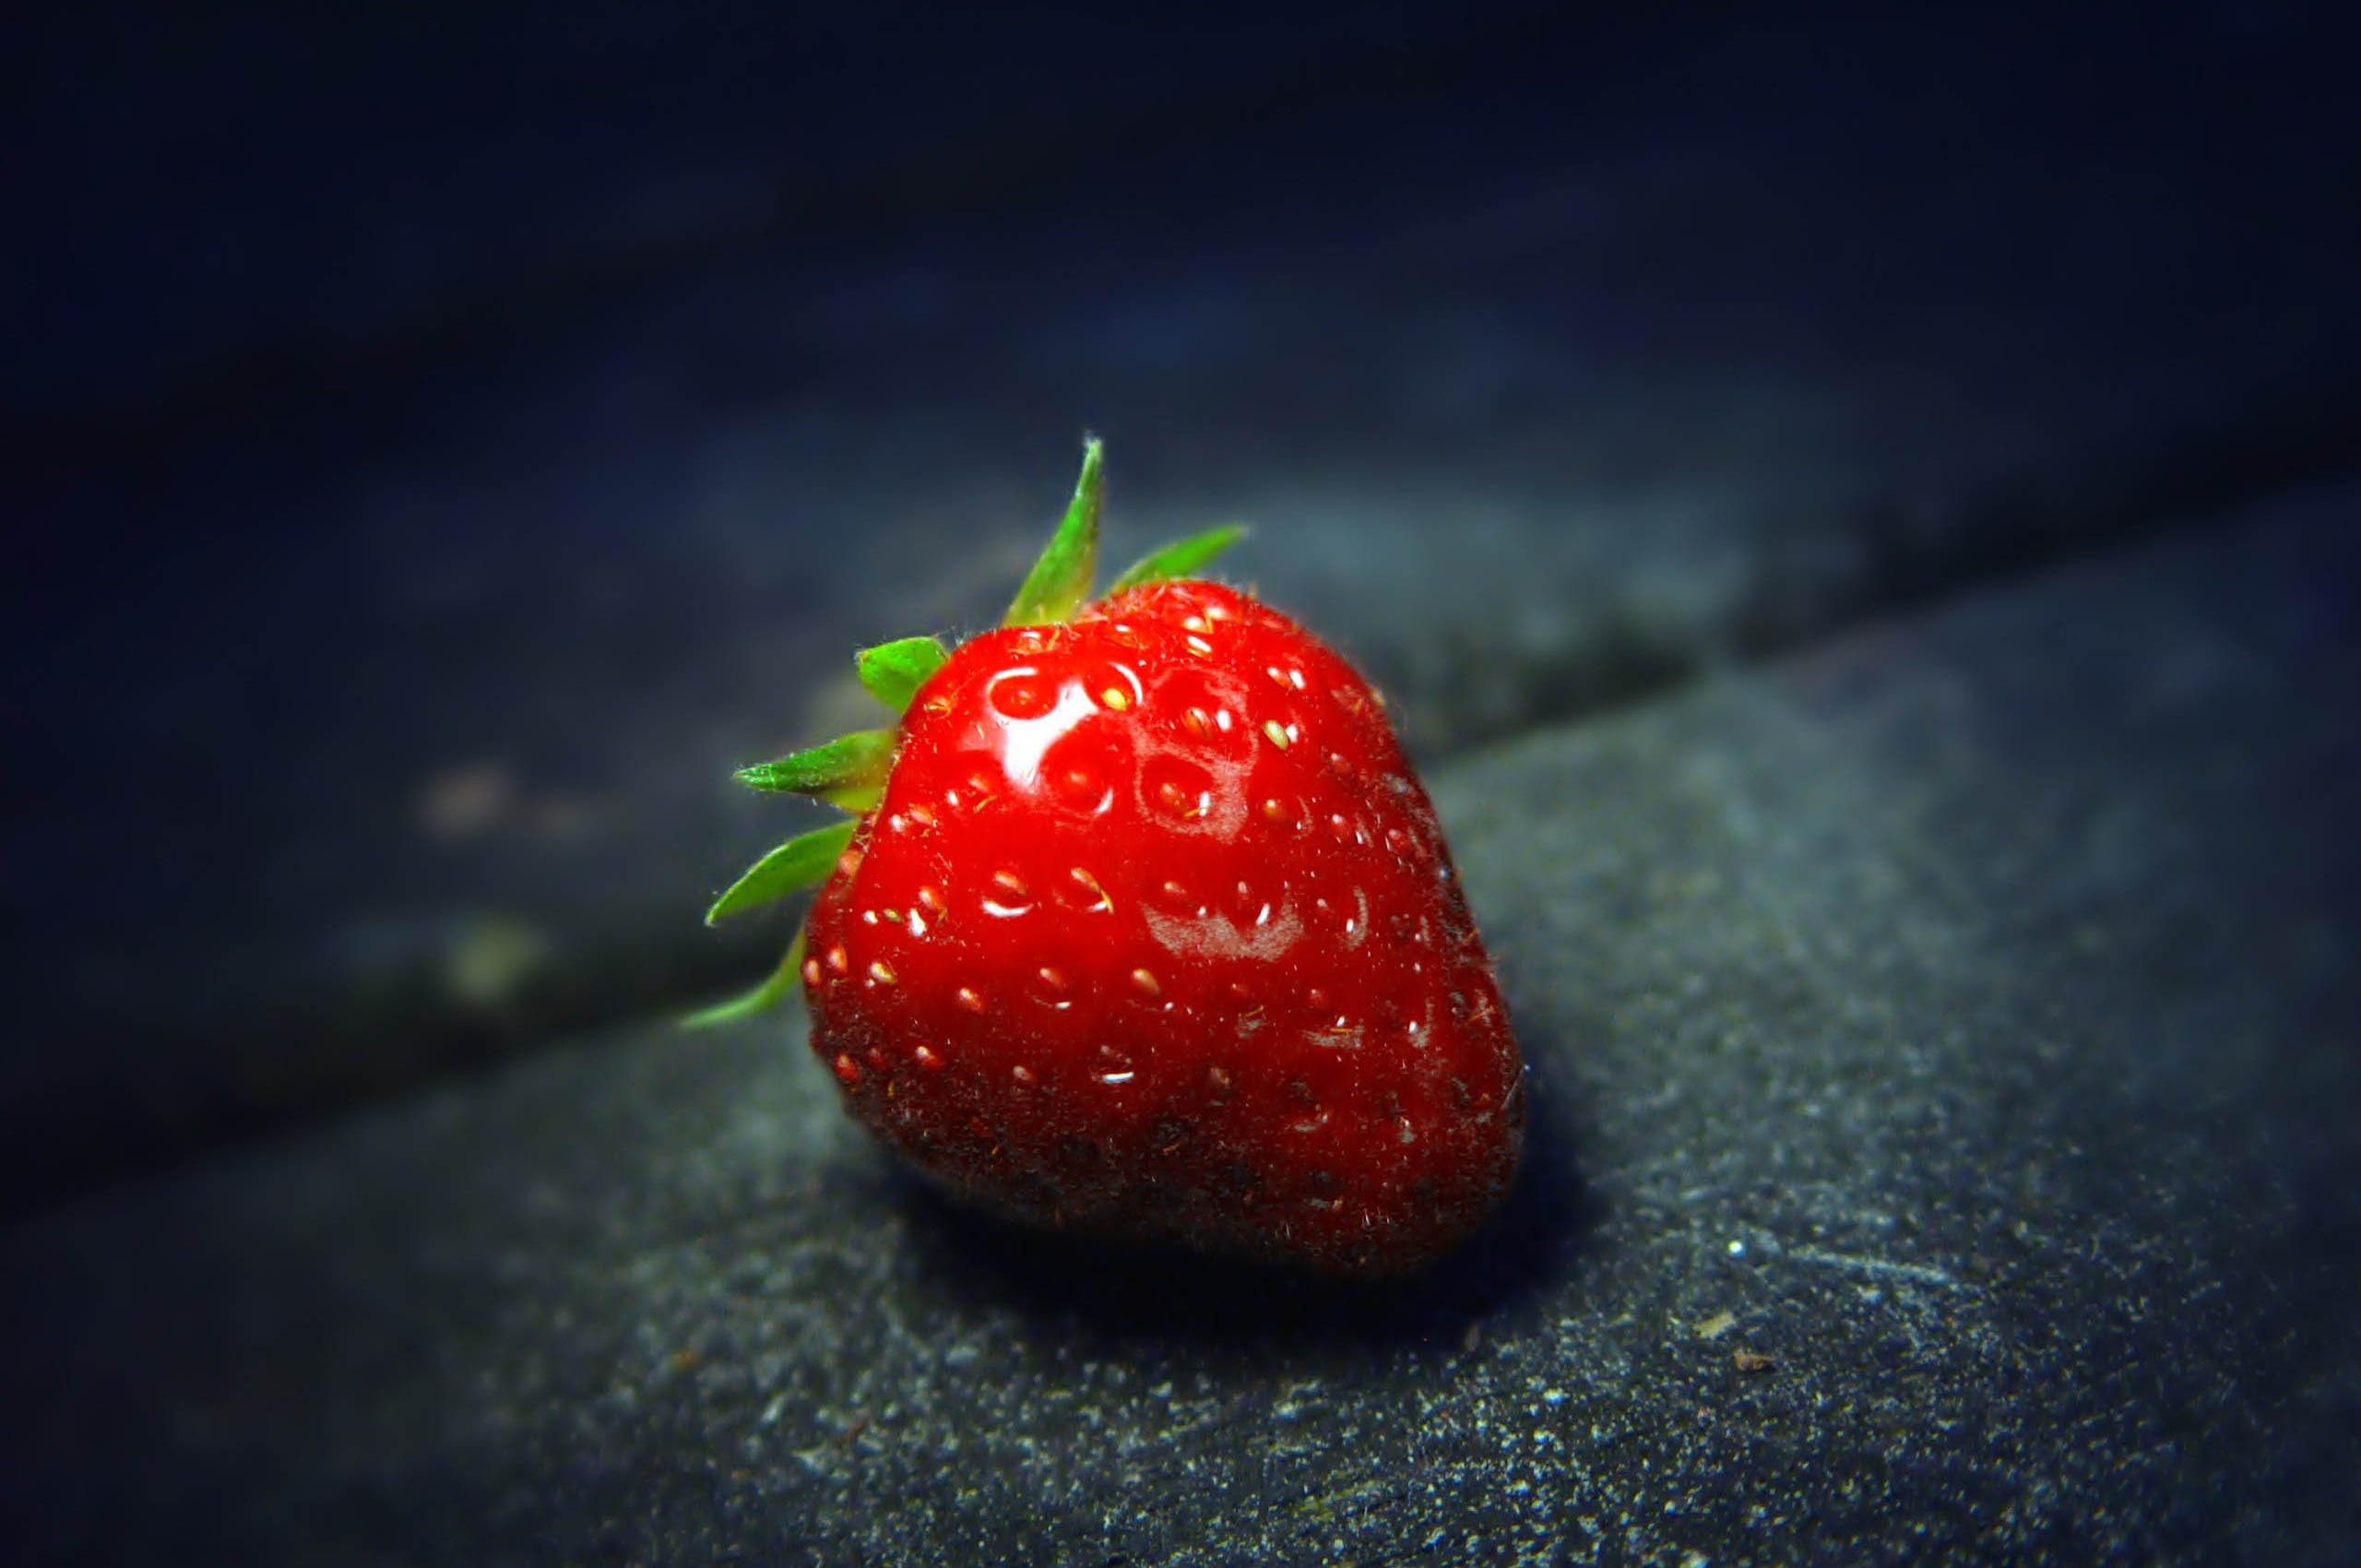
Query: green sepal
[762, 999]
[849, 771]
[1060, 582]
[854, 798]
[799, 864]
[1180, 558]
[894, 672]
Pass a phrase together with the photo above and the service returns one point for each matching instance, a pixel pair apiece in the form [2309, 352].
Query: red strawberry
[1147, 930]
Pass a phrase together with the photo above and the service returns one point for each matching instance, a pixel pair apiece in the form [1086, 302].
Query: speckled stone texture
[1948, 1134]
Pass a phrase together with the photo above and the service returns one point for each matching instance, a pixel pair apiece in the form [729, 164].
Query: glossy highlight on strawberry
[1147, 930]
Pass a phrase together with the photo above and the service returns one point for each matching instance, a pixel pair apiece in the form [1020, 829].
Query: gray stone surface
[1963, 1017]
[388, 727]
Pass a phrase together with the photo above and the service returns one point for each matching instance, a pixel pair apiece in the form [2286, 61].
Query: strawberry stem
[1060, 581]
[1180, 558]
[894, 672]
[799, 864]
[762, 999]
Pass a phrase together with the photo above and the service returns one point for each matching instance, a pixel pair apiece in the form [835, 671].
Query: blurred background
[438, 442]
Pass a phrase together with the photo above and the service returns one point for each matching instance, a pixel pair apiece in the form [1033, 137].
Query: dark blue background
[546, 395]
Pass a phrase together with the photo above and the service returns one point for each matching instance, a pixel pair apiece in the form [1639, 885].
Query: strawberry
[1145, 929]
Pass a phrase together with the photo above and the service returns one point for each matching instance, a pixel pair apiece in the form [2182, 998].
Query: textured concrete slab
[1947, 1057]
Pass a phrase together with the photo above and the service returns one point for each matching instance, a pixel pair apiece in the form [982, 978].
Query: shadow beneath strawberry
[1526, 1249]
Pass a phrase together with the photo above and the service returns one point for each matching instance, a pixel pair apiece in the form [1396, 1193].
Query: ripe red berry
[1150, 931]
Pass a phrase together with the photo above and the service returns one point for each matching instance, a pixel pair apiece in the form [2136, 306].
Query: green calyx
[1178, 559]
[801, 863]
[894, 672]
[1059, 583]
[760, 1000]
[850, 772]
